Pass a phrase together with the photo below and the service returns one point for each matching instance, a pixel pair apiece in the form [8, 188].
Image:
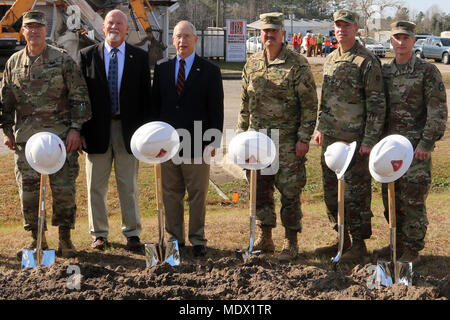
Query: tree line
[213, 13]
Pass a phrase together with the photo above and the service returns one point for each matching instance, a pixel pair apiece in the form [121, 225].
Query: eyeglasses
[33, 26]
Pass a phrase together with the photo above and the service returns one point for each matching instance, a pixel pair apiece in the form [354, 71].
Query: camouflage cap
[405, 27]
[347, 16]
[272, 20]
[34, 16]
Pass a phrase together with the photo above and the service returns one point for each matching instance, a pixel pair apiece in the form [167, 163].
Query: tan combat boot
[65, 246]
[264, 241]
[356, 252]
[410, 255]
[332, 249]
[33, 243]
[290, 247]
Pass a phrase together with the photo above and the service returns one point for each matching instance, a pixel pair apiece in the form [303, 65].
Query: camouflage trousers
[289, 180]
[62, 184]
[411, 192]
[358, 193]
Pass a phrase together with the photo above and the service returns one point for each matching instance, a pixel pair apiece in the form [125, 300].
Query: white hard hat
[338, 157]
[155, 142]
[45, 152]
[390, 158]
[252, 150]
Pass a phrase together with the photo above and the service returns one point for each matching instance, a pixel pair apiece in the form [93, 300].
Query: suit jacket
[134, 95]
[200, 100]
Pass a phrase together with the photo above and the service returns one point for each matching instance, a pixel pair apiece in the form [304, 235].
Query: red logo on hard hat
[396, 164]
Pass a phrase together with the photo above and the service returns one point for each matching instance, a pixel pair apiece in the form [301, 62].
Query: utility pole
[217, 13]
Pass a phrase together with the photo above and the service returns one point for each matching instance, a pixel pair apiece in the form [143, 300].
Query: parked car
[254, 44]
[377, 48]
[437, 48]
[417, 49]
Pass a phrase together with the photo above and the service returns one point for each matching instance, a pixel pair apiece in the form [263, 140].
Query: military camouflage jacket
[48, 94]
[280, 94]
[416, 101]
[352, 105]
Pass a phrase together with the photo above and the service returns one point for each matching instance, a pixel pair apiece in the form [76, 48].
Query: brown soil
[217, 276]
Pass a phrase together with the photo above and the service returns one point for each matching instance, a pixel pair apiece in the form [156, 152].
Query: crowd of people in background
[313, 44]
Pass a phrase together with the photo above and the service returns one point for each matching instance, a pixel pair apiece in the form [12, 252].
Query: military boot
[65, 246]
[410, 255]
[264, 241]
[356, 252]
[385, 252]
[33, 243]
[290, 247]
[332, 249]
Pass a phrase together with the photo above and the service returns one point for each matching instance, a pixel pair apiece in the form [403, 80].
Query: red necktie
[180, 78]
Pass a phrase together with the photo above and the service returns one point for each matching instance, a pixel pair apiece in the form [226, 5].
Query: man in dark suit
[188, 94]
[118, 79]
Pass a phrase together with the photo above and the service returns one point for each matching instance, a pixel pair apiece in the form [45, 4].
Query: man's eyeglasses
[33, 26]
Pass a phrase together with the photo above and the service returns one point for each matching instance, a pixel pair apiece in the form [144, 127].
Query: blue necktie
[113, 81]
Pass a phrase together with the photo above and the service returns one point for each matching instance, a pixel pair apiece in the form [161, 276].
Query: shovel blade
[151, 254]
[169, 253]
[29, 258]
[386, 273]
[246, 253]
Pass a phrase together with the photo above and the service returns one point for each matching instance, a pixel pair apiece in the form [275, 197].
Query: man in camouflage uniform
[42, 90]
[417, 109]
[279, 93]
[352, 108]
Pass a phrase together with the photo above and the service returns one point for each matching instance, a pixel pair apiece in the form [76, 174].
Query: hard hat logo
[396, 164]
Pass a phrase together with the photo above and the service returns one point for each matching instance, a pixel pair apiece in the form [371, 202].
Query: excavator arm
[15, 13]
[138, 7]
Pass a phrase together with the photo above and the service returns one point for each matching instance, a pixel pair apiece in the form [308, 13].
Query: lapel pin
[131, 56]
[198, 69]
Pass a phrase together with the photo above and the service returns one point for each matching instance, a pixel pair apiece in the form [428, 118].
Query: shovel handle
[253, 175]
[391, 202]
[341, 207]
[159, 202]
[41, 218]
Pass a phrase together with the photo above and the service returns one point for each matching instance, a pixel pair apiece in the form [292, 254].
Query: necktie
[180, 77]
[113, 81]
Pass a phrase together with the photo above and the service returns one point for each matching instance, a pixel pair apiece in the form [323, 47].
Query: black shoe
[134, 243]
[199, 250]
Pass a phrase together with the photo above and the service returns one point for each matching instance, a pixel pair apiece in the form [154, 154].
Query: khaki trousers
[98, 171]
[176, 179]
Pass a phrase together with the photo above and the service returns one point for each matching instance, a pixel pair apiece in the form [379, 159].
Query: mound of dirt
[222, 279]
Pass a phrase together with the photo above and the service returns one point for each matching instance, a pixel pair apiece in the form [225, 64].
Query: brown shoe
[332, 248]
[99, 243]
[134, 243]
[33, 244]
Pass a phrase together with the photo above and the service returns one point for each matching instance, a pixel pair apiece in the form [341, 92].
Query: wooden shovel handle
[391, 202]
[43, 184]
[341, 206]
[253, 175]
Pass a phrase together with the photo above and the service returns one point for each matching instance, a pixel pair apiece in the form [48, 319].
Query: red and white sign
[236, 35]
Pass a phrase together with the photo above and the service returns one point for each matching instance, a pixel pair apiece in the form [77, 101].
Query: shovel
[37, 257]
[161, 252]
[341, 192]
[247, 253]
[392, 272]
